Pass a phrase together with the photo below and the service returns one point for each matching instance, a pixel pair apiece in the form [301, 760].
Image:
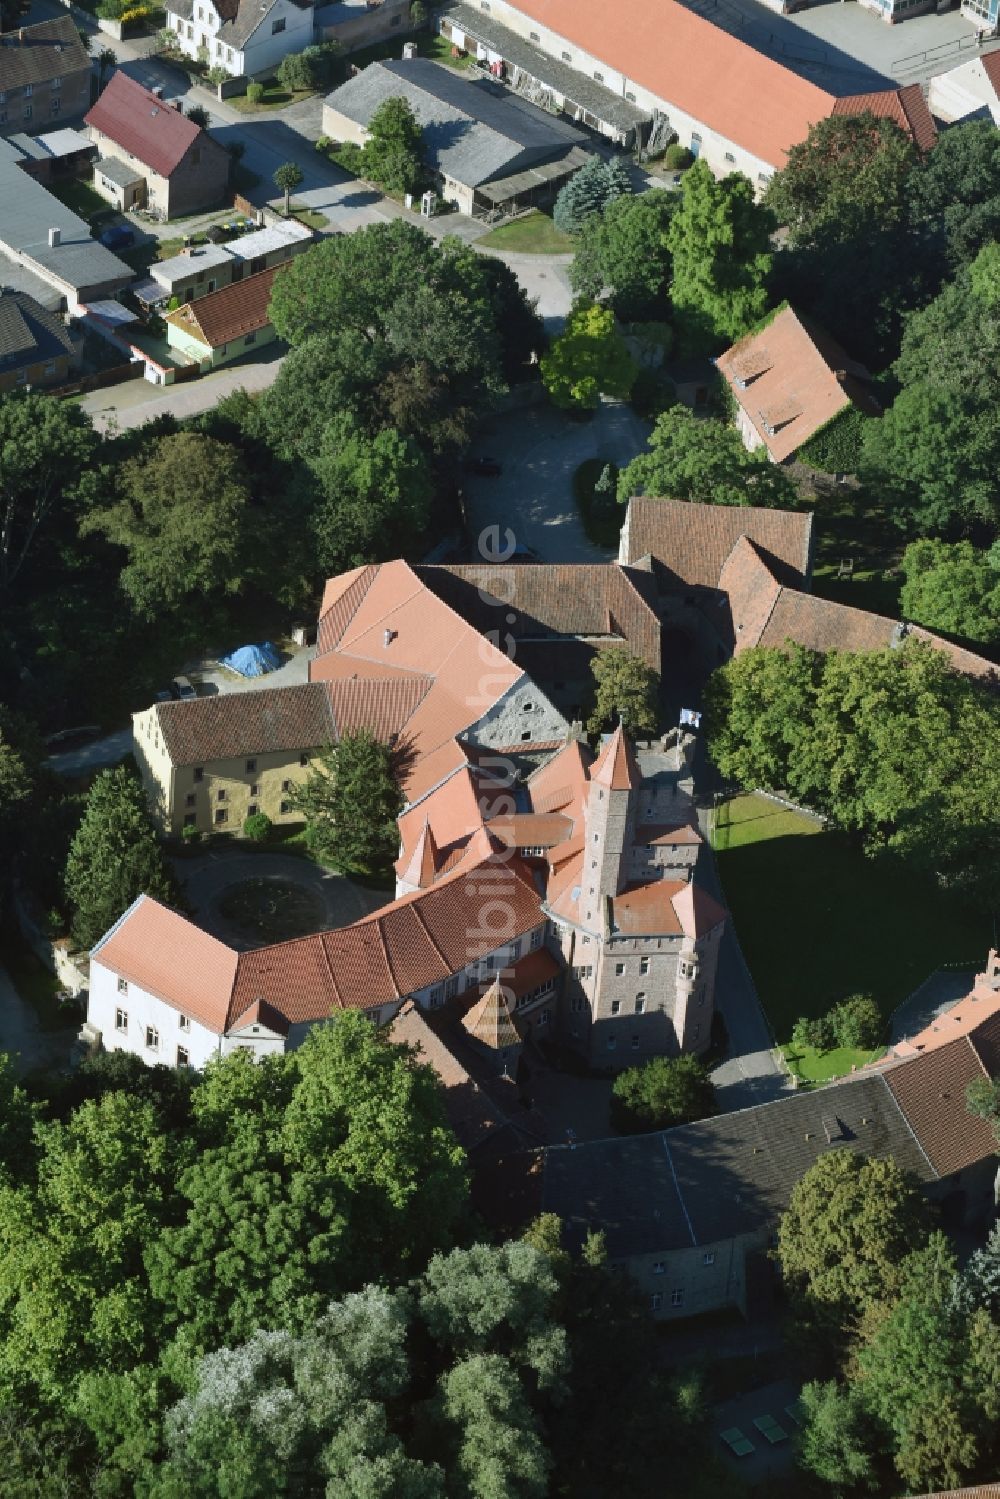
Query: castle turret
[609, 822]
[419, 870]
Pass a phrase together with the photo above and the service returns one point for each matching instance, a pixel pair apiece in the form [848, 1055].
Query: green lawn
[814, 1066]
[81, 198]
[818, 921]
[275, 97]
[311, 217]
[428, 45]
[533, 235]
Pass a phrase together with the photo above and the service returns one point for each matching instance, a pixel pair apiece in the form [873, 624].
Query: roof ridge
[884, 1080]
[677, 1189]
[427, 931]
[329, 968]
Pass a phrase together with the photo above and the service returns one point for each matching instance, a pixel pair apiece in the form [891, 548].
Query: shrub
[418, 13]
[166, 37]
[219, 75]
[198, 116]
[816, 1032]
[664, 1092]
[204, 56]
[255, 92]
[856, 1022]
[677, 157]
[295, 72]
[257, 827]
[323, 143]
[190, 834]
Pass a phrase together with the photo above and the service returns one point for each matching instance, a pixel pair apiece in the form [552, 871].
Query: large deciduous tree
[850, 172]
[373, 495]
[588, 359]
[182, 518]
[622, 254]
[952, 587]
[664, 1092]
[954, 194]
[45, 446]
[719, 240]
[703, 459]
[393, 152]
[114, 856]
[351, 803]
[625, 691]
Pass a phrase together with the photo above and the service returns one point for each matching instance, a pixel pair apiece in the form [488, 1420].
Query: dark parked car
[488, 466]
[117, 237]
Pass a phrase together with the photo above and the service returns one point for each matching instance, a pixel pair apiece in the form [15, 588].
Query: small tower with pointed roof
[491, 1025]
[418, 871]
[609, 823]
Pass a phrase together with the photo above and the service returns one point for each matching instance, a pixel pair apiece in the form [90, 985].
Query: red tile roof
[691, 542]
[713, 76]
[668, 906]
[796, 380]
[531, 829]
[616, 766]
[171, 958]
[906, 106]
[471, 1112]
[930, 1090]
[421, 865]
[654, 836]
[135, 119]
[229, 313]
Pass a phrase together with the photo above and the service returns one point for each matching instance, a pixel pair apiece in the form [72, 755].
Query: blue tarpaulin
[253, 660]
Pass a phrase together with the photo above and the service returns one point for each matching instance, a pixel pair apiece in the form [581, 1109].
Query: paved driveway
[110, 750]
[541, 450]
[207, 877]
[209, 678]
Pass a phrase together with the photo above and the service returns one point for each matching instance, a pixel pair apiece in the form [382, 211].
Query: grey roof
[29, 212]
[50, 49]
[17, 277]
[473, 131]
[29, 333]
[235, 29]
[180, 268]
[705, 1182]
[117, 171]
[585, 92]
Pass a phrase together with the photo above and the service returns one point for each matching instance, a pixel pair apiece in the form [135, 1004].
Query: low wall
[71, 968]
[99, 380]
[229, 87]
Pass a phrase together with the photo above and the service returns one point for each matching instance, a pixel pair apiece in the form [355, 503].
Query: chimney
[388, 637]
[55, 235]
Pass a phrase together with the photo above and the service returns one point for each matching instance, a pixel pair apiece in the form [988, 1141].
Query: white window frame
[121, 1021]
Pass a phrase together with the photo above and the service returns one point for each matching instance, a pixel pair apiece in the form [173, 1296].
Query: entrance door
[696, 145]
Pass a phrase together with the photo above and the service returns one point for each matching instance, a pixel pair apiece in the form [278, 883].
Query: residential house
[201, 269]
[35, 345]
[152, 155]
[224, 325]
[246, 37]
[45, 75]
[789, 380]
[354, 24]
[723, 98]
[691, 1212]
[42, 236]
[486, 147]
[969, 92]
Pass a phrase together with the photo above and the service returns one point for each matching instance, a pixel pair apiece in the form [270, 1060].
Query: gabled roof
[229, 313]
[230, 725]
[930, 1090]
[171, 958]
[36, 54]
[29, 332]
[906, 107]
[791, 380]
[690, 542]
[141, 123]
[670, 907]
[531, 829]
[490, 1021]
[561, 780]
[471, 1112]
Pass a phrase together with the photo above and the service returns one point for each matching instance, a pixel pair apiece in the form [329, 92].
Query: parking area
[209, 677]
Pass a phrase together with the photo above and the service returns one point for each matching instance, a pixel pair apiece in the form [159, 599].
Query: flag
[689, 716]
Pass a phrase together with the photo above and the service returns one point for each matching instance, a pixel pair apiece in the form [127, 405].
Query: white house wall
[263, 51]
[722, 155]
[144, 1009]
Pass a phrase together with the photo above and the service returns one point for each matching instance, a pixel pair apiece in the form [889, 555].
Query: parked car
[164, 696]
[117, 237]
[184, 689]
[491, 467]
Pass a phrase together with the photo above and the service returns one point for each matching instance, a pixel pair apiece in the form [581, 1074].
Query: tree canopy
[621, 254]
[351, 803]
[952, 587]
[719, 241]
[393, 152]
[114, 856]
[626, 691]
[703, 459]
[45, 446]
[850, 172]
[954, 193]
[589, 192]
[663, 1092]
[588, 359]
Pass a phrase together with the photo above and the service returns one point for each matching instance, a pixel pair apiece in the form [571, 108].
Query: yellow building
[212, 762]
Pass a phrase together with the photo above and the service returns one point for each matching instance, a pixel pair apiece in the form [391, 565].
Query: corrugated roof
[133, 117]
[36, 54]
[229, 313]
[691, 542]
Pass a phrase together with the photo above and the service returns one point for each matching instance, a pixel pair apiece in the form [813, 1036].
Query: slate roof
[705, 1182]
[142, 124]
[579, 88]
[29, 333]
[29, 212]
[791, 380]
[690, 542]
[50, 49]
[231, 312]
[472, 130]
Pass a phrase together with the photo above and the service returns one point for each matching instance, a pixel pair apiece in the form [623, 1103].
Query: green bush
[323, 143]
[664, 1092]
[257, 827]
[255, 92]
[677, 157]
[216, 75]
[857, 1022]
[296, 72]
[653, 393]
[815, 1032]
[190, 834]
